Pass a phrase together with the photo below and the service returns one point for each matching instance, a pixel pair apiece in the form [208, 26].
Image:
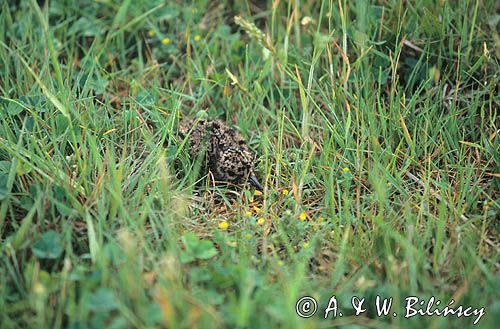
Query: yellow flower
[303, 216]
[248, 236]
[257, 193]
[197, 38]
[279, 263]
[305, 245]
[165, 41]
[38, 288]
[223, 225]
[257, 209]
[345, 169]
[261, 221]
[247, 213]
[306, 20]
[285, 192]
[151, 33]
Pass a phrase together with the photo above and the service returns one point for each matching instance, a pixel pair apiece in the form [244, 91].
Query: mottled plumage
[226, 153]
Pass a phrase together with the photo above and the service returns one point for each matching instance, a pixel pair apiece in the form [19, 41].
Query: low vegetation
[376, 129]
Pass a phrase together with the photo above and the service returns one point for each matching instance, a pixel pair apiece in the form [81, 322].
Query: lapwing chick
[224, 150]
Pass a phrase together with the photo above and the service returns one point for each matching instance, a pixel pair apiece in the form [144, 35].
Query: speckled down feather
[226, 153]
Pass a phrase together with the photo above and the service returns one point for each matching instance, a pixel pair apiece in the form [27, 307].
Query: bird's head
[235, 165]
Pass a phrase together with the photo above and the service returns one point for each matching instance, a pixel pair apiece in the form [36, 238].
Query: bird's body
[224, 149]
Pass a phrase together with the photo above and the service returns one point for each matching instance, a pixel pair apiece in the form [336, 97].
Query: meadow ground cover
[376, 129]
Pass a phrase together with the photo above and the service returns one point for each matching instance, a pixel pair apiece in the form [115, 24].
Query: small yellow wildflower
[165, 41]
[345, 169]
[279, 263]
[303, 216]
[257, 209]
[151, 33]
[197, 38]
[248, 236]
[257, 193]
[261, 221]
[38, 288]
[285, 192]
[305, 245]
[247, 213]
[306, 20]
[223, 225]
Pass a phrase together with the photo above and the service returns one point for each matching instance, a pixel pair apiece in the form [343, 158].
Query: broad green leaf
[49, 246]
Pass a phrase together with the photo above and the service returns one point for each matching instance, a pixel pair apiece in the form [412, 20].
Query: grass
[375, 125]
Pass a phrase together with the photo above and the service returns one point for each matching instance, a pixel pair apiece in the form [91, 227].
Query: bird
[225, 151]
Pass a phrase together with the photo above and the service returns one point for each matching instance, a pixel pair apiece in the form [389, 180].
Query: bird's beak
[255, 182]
